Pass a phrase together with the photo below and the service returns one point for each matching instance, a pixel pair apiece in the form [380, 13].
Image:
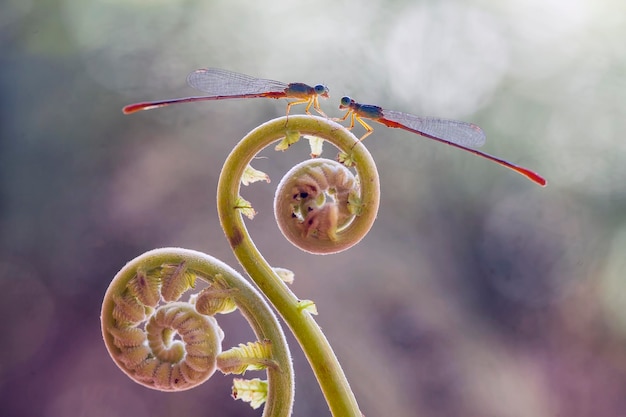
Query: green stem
[316, 347]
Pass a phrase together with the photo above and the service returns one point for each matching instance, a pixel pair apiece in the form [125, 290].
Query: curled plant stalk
[321, 208]
[167, 344]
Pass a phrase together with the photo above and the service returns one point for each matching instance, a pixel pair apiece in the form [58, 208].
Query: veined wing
[219, 82]
[461, 133]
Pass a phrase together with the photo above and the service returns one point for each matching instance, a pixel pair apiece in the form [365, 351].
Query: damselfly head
[321, 90]
[345, 102]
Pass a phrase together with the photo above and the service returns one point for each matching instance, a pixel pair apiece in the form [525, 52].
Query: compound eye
[345, 101]
[321, 89]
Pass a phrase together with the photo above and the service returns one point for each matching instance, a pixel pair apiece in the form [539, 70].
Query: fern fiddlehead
[166, 343]
[142, 313]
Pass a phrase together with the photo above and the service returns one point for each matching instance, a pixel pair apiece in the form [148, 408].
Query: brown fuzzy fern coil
[314, 203]
[169, 347]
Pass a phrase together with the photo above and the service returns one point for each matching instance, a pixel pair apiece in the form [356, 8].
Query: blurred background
[477, 292]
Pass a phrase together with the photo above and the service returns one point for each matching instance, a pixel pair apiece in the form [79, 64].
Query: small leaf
[253, 391]
[213, 300]
[251, 175]
[146, 288]
[127, 336]
[245, 207]
[290, 138]
[285, 275]
[307, 305]
[249, 357]
[316, 145]
[127, 309]
[345, 159]
[176, 280]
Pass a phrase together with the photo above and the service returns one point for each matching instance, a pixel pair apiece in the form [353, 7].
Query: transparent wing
[219, 82]
[461, 133]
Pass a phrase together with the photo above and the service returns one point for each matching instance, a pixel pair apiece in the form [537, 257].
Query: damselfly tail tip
[533, 176]
[134, 108]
